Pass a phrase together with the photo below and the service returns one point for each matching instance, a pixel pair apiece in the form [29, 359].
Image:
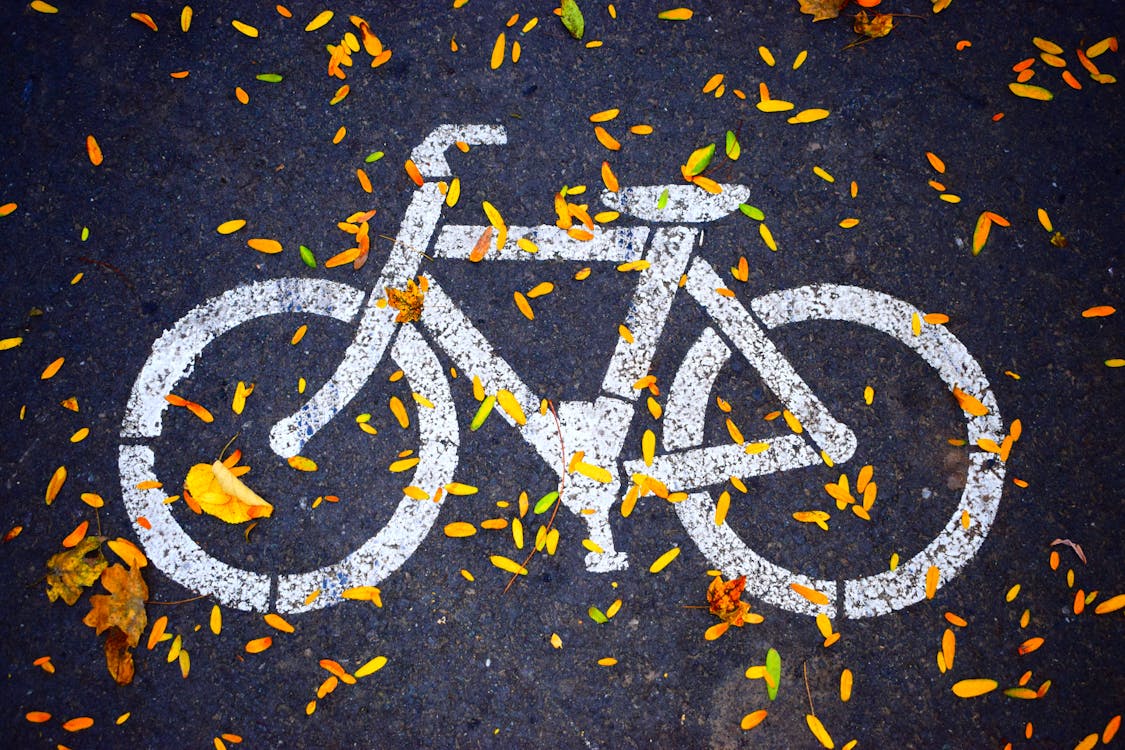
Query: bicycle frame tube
[376, 325]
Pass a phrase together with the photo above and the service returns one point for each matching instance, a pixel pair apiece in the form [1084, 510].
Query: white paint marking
[429, 155]
[874, 595]
[936, 345]
[668, 255]
[385, 552]
[597, 428]
[616, 245]
[174, 353]
[685, 204]
[779, 376]
[697, 468]
[690, 393]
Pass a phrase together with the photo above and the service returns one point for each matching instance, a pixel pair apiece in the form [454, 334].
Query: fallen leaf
[572, 18]
[879, 25]
[220, 493]
[1076, 547]
[822, 10]
[122, 612]
[973, 687]
[74, 570]
[407, 301]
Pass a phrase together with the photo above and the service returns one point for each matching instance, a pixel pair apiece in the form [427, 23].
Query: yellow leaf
[459, 529]
[128, 552]
[221, 494]
[1028, 91]
[229, 227]
[814, 596]
[822, 10]
[506, 564]
[819, 731]
[301, 463]
[69, 572]
[371, 667]
[662, 562]
[279, 622]
[364, 594]
[55, 484]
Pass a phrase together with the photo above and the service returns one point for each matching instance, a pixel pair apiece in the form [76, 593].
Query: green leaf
[546, 502]
[269, 77]
[751, 211]
[734, 150]
[699, 159]
[597, 615]
[308, 257]
[373, 156]
[773, 668]
[483, 411]
[572, 19]
[662, 201]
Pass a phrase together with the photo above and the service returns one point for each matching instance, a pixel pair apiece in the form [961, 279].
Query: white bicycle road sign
[598, 427]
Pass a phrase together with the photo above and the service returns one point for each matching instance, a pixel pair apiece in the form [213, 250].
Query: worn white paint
[683, 204]
[886, 592]
[596, 428]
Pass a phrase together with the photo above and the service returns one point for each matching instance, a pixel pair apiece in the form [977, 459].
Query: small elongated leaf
[773, 669]
[733, 149]
[572, 18]
[269, 77]
[482, 413]
[971, 688]
[597, 615]
[546, 502]
[308, 257]
[753, 212]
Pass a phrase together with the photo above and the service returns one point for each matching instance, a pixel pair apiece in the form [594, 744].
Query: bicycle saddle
[683, 204]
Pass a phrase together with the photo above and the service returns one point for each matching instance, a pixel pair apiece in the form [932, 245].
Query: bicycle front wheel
[177, 554]
[881, 593]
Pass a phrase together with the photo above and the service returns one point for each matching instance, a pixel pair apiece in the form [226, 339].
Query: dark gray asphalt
[467, 665]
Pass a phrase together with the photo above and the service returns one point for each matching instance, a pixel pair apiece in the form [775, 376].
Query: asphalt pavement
[981, 227]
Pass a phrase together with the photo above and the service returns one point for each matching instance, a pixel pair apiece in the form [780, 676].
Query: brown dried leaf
[118, 657]
[123, 607]
[880, 24]
[822, 10]
[75, 569]
[1076, 547]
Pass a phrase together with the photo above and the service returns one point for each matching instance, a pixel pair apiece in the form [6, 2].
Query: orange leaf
[814, 596]
[258, 645]
[970, 404]
[93, 150]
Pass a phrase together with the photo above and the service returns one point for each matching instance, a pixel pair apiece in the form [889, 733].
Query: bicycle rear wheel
[949, 551]
[173, 550]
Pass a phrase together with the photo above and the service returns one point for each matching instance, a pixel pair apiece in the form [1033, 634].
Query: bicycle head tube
[429, 155]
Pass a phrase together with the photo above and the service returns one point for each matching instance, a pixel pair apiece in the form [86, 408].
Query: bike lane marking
[173, 357]
[882, 593]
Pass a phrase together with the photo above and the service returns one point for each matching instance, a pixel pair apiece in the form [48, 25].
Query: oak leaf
[822, 10]
[75, 569]
[122, 613]
[220, 493]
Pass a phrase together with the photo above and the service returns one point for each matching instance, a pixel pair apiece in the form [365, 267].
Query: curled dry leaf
[122, 613]
[75, 569]
[220, 493]
[1076, 547]
[822, 10]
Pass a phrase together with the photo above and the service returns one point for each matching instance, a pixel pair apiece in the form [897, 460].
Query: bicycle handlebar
[429, 155]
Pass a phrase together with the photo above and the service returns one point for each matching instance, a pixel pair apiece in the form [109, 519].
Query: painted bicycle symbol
[598, 427]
